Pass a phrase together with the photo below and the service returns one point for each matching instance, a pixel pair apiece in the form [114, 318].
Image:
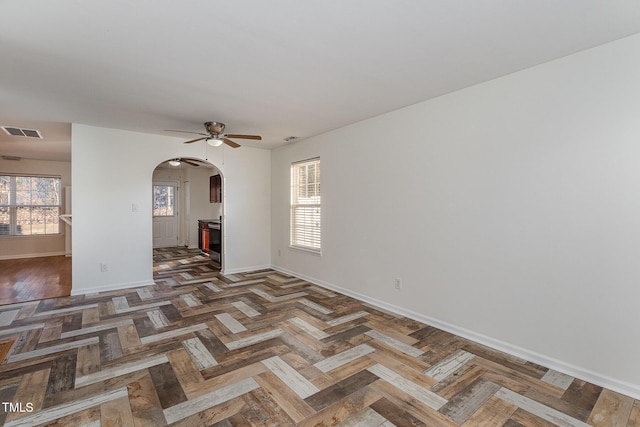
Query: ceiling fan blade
[236, 135]
[189, 162]
[194, 140]
[230, 143]
[185, 131]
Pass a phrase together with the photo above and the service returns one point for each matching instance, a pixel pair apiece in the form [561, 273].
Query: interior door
[165, 214]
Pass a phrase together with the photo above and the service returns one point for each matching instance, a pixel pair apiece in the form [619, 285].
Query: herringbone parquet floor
[266, 349]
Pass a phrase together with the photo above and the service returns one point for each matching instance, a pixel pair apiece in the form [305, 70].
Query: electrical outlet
[104, 267]
[279, 252]
[398, 283]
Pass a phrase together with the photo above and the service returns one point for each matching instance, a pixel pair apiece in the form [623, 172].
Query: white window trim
[295, 203]
[175, 204]
[13, 208]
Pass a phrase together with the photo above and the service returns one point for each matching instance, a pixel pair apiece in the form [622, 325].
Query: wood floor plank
[116, 413]
[167, 386]
[86, 418]
[7, 393]
[206, 401]
[397, 416]
[411, 371]
[121, 369]
[31, 390]
[545, 412]
[128, 336]
[557, 404]
[409, 404]
[199, 353]
[227, 378]
[495, 412]
[345, 387]
[634, 417]
[51, 332]
[185, 370]
[582, 396]
[611, 409]
[216, 416]
[449, 365]
[62, 374]
[335, 376]
[343, 358]
[463, 405]
[457, 382]
[5, 347]
[145, 404]
[292, 378]
[343, 408]
[524, 418]
[295, 407]
[508, 374]
[414, 389]
[53, 413]
[263, 410]
[110, 347]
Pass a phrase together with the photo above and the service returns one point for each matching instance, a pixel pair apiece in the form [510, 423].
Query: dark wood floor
[30, 279]
[263, 348]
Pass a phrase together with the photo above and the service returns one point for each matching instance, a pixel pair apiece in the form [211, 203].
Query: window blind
[305, 205]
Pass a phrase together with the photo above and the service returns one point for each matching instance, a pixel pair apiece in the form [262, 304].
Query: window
[29, 205]
[163, 200]
[305, 205]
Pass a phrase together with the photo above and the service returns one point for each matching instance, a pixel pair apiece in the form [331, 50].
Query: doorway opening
[188, 209]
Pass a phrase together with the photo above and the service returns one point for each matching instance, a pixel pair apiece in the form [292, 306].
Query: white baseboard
[119, 286]
[37, 255]
[106, 288]
[619, 386]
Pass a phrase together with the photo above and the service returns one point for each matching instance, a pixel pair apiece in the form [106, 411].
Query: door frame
[176, 206]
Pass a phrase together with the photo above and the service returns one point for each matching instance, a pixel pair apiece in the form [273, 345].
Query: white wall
[112, 170]
[35, 246]
[511, 211]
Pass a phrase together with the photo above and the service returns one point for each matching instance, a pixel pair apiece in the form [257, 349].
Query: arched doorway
[183, 199]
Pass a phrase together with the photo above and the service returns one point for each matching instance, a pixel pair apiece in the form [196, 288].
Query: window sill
[307, 250]
[33, 236]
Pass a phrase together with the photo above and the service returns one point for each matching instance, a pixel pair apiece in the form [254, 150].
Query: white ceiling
[275, 68]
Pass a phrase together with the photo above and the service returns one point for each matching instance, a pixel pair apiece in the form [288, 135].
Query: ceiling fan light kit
[215, 136]
[179, 161]
[214, 142]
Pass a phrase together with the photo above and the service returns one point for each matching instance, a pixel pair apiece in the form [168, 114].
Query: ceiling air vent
[29, 133]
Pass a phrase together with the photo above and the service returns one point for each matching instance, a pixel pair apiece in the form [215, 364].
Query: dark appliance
[215, 241]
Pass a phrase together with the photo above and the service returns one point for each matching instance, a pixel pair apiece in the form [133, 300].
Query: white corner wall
[510, 210]
[112, 171]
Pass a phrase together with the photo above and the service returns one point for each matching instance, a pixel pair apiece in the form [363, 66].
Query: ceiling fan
[215, 135]
[193, 162]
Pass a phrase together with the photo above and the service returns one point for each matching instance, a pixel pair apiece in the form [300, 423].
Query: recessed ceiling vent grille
[29, 133]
